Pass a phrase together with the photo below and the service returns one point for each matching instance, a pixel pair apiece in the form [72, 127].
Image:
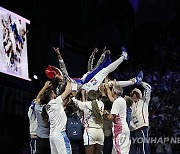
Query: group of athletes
[112, 122]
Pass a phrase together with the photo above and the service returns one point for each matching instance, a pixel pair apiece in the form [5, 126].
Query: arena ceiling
[95, 23]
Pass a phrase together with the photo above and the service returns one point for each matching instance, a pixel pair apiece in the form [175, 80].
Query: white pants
[60, 143]
[121, 143]
[93, 136]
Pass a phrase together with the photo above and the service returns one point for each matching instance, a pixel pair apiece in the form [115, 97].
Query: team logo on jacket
[94, 81]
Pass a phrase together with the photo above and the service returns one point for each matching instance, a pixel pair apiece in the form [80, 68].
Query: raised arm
[91, 60]
[147, 92]
[101, 59]
[67, 90]
[102, 89]
[41, 92]
[61, 62]
[79, 103]
[83, 92]
[58, 53]
[109, 93]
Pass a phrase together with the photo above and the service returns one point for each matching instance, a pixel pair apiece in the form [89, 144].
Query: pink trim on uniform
[117, 131]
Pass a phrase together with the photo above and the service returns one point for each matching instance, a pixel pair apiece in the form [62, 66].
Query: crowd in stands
[164, 107]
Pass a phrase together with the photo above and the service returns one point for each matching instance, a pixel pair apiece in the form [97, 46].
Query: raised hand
[47, 84]
[60, 77]
[57, 52]
[102, 88]
[106, 51]
[95, 50]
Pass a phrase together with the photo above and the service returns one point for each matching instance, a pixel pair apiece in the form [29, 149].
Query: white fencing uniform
[59, 141]
[121, 132]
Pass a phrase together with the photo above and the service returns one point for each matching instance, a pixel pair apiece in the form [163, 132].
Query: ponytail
[92, 96]
[96, 112]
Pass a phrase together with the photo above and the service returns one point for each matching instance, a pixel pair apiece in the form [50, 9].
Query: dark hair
[79, 95]
[92, 95]
[46, 97]
[54, 82]
[135, 93]
[107, 103]
[45, 116]
[70, 108]
[58, 86]
[129, 101]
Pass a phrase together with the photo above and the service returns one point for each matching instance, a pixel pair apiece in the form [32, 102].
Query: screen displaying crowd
[13, 47]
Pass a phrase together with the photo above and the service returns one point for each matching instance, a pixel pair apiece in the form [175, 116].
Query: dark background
[96, 23]
[149, 29]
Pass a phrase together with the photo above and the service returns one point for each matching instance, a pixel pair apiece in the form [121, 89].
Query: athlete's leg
[100, 76]
[105, 63]
[111, 67]
[60, 143]
[98, 149]
[123, 83]
[90, 149]
[136, 80]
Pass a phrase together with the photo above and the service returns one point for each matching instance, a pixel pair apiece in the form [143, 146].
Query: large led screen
[13, 44]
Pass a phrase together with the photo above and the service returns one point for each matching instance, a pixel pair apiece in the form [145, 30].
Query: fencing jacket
[140, 112]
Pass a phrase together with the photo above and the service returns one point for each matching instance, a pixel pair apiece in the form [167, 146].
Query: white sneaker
[124, 53]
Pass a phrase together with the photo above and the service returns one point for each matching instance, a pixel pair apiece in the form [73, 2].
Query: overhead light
[35, 77]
